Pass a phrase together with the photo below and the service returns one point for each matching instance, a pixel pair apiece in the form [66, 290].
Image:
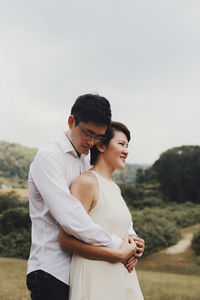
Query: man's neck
[68, 135]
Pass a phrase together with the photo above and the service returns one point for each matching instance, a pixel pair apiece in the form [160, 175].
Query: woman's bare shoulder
[86, 178]
[85, 188]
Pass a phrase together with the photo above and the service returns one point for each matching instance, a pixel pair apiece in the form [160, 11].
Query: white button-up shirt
[51, 173]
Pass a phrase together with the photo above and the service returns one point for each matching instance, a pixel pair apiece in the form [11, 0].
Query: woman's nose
[125, 151]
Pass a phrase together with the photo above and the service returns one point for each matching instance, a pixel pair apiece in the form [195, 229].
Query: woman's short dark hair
[91, 108]
[114, 126]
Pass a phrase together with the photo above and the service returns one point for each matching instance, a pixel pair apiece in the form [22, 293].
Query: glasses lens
[92, 135]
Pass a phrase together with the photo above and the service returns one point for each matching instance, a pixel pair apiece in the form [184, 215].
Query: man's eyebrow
[103, 135]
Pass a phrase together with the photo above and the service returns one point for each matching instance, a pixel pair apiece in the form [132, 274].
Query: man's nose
[91, 142]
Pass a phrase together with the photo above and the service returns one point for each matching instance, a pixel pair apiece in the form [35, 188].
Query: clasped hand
[131, 262]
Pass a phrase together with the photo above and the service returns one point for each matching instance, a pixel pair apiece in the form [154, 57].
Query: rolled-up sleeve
[47, 173]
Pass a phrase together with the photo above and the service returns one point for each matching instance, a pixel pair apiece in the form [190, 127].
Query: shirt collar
[67, 146]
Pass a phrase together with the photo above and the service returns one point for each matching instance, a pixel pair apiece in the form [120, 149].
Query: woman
[93, 279]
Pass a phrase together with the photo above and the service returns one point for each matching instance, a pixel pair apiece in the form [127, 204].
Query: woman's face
[116, 152]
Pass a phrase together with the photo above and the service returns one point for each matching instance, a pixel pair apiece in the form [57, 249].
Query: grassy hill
[14, 163]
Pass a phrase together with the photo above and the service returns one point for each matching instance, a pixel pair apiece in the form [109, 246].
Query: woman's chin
[121, 167]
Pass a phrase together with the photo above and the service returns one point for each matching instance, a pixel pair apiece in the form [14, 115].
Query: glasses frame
[92, 135]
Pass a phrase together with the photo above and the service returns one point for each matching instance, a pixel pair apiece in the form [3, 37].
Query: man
[54, 168]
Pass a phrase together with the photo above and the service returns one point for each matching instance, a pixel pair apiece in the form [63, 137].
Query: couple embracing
[83, 244]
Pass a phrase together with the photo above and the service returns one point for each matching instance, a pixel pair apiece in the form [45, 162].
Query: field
[169, 286]
[155, 285]
[12, 279]
[162, 276]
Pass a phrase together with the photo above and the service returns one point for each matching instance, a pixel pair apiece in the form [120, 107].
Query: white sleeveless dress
[99, 280]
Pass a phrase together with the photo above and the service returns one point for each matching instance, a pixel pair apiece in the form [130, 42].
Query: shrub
[198, 260]
[196, 243]
[14, 219]
[15, 244]
[184, 215]
[8, 200]
[147, 202]
[141, 195]
[158, 232]
[14, 226]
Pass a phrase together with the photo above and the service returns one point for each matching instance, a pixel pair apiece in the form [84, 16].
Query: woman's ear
[100, 147]
[71, 121]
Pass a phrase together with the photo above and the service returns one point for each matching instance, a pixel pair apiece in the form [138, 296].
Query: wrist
[116, 255]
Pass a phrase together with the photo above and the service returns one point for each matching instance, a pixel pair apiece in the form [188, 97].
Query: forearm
[70, 243]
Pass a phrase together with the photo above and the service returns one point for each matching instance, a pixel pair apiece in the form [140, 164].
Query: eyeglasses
[92, 135]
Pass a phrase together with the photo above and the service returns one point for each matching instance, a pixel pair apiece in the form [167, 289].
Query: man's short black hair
[92, 108]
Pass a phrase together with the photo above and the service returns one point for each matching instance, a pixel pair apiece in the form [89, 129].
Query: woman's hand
[131, 263]
[140, 246]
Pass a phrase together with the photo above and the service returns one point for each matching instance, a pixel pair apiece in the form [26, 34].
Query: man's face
[85, 135]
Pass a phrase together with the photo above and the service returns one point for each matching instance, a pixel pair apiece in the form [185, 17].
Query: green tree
[178, 172]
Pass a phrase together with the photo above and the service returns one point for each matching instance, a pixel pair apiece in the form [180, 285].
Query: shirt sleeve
[48, 176]
[132, 231]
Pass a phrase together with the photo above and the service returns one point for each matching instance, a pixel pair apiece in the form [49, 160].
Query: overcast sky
[144, 56]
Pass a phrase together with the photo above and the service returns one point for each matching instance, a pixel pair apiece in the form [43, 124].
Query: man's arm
[47, 172]
[70, 243]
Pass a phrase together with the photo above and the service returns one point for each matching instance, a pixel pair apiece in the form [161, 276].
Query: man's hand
[131, 262]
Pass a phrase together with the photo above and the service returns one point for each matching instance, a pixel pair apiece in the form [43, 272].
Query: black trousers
[44, 286]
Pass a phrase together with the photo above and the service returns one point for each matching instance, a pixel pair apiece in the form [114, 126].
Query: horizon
[128, 162]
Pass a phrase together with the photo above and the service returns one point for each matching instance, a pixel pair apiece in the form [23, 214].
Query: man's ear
[71, 121]
[100, 147]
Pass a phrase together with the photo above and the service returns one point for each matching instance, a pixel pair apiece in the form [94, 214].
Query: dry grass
[155, 285]
[168, 286]
[12, 279]
[162, 276]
